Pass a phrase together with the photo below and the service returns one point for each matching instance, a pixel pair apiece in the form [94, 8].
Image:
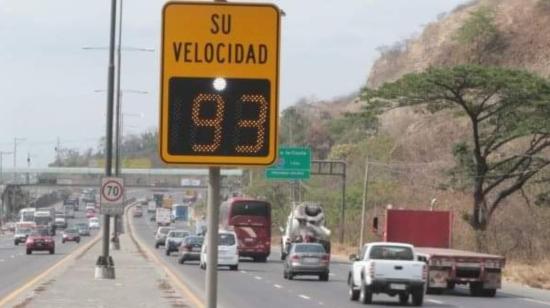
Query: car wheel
[353, 293]
[52, 251]
[365, 294]
[323, 277]
[16, 243]
[418, 297]
[290, 275]
[203, 266]
[29, 251]
[234, 267]
[63, 241]
[157, 246]
[403, 298]
[167, 252]
[285, 274]
[181, 260]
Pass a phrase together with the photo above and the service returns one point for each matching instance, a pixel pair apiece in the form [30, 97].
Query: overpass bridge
[137, 178]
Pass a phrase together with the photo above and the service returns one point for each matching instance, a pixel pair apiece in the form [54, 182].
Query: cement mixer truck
[305, 224]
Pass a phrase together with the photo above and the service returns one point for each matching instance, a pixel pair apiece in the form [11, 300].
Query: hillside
[523, 42]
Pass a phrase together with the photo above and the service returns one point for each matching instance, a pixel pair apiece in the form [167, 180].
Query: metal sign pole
[213, 211]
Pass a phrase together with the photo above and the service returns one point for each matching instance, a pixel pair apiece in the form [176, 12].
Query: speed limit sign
[112, 196]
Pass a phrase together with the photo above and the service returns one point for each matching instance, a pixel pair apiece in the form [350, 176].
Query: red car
[40, 240]
[90, 213]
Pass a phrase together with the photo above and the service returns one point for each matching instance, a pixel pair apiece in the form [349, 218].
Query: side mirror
[353, 257]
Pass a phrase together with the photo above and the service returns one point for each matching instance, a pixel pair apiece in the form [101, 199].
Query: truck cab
[390, 268]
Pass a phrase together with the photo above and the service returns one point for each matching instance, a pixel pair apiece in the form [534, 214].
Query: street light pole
[15, 141]
[105, 266]
[116, 242]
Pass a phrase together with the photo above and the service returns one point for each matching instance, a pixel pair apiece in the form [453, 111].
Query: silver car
[307, 259]
[190, 248]
[160, 236]
[174, 239]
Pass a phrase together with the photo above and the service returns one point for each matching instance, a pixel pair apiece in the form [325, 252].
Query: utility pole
[15, 141]
[363, 208]
[2, 163]
[105, 268]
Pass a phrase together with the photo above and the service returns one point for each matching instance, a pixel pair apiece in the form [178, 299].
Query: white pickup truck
[389, 268]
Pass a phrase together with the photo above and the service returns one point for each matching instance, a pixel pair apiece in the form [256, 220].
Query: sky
[51, 86]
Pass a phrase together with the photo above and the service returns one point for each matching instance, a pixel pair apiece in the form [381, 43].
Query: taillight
[188, 247]
[371, 269]
[295, 257]
[325, 258]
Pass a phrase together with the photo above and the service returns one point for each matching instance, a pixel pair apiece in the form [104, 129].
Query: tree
[508, 111]
[479, 35]
[293, 127]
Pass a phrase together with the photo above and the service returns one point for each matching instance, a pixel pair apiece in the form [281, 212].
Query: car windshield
[164, 230]
[194, 240]
[178, 234]
[391, 253]
[226, 239]
[23, 231]
[309, 248]
[71, 231]
[41, 232]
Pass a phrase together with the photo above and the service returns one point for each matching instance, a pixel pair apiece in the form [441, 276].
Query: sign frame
[272, 74]
[111, 206]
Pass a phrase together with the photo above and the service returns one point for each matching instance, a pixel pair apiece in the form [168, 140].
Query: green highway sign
[293, 163]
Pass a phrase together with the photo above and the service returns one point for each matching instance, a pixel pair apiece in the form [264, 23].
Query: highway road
[262, 285]
[16, 268]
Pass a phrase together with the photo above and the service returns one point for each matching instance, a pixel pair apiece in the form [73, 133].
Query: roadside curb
[55, 269]
[173, 277]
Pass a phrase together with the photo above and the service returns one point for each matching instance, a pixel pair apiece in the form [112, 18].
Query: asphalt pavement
[16, 267]
[262, 285]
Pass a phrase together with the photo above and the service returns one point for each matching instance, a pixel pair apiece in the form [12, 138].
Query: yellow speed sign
[219, 83]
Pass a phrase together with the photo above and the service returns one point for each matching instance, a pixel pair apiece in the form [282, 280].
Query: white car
[93, 223]
[228, 254]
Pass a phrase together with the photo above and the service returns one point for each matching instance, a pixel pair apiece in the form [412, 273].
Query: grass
[533, 275]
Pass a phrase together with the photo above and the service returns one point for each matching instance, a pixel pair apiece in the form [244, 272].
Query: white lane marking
[243, 272]
[257, 277]
[321, 303]
[278, 286]
[304, 296]
[12, 256]
[435, 301]
[332, 275]
[536, 301]
[2, 260]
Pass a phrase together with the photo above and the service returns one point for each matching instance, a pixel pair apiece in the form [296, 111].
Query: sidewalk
[138, 283]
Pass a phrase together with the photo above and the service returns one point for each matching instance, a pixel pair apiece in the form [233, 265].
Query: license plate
[311, 260]
[397, 286]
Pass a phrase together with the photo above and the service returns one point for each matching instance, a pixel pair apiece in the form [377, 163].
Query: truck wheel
[403, 298]
[365, 294]
[323, 277]
[418, 297]
[353, 293]
[234, 267]
[451, 285]
[489, 292]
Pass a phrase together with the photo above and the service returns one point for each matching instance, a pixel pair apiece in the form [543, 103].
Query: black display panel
[229, 119]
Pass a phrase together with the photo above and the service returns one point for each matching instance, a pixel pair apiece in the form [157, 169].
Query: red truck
[431, 234]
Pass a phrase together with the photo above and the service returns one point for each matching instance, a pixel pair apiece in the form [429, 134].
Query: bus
[180, 212]
[27, 214]
[251, 220]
